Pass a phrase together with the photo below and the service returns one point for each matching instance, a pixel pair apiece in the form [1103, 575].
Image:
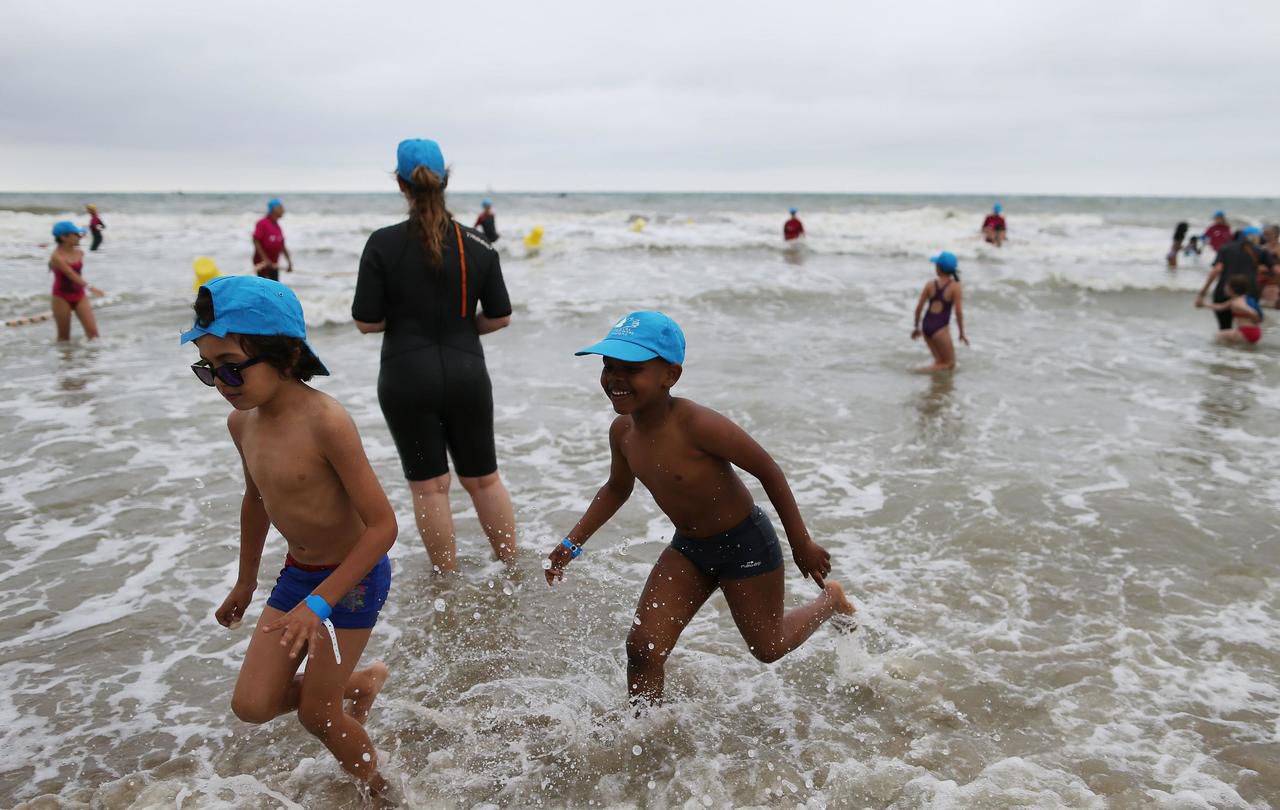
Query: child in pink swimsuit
[69, 286]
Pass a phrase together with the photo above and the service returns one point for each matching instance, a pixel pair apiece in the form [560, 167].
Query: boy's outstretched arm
[608, 501]
[339, 443]
[717, 435]
[254, 524]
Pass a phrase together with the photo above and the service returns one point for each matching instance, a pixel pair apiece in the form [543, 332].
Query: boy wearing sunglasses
[306, 473]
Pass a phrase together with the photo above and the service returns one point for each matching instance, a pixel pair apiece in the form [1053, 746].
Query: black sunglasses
[230, 373]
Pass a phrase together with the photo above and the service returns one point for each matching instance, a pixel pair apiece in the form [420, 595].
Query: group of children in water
[307, 474]
[1245, 276]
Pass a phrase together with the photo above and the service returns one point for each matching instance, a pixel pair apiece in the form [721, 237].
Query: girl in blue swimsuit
[942, 294]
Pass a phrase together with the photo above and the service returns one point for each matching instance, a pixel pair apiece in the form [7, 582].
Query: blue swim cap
[487, 203]
[794, 211]
[249, 305]
[947, 261]
[273, 204]
[65, 227]
[997, 208]
[1252, 230]
[1219, 213]
[641, 336]
[415, 152]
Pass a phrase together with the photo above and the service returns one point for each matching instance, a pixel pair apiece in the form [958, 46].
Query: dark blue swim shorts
[746, 550]
[355, 611]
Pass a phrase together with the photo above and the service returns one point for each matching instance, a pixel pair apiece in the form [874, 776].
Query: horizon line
[490, 191]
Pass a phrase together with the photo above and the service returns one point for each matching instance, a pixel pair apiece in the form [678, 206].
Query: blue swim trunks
[357, 610]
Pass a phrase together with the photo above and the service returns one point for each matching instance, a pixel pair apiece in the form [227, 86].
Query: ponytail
[425, 193]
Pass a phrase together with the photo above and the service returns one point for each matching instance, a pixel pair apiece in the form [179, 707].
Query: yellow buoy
[534, 238]
[205, 269]
[637, 224]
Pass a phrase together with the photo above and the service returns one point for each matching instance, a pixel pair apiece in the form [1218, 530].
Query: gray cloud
[1084, 97]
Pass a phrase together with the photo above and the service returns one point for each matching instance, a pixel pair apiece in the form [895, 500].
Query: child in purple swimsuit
[942, 294]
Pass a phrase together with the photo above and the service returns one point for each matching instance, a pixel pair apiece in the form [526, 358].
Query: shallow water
[1064, 554]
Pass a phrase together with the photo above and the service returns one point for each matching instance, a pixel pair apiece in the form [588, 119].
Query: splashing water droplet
[546, 565]
[507, 589]
[199, 483]
[651, 645]
[476, 615]
[365, 756]
[635, 749]
[636, 620]
[440, 606]
[751, 753]
[652, 784]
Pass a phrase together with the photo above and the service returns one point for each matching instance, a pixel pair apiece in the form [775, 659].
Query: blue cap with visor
[249, 305]
[415, 152]
[947, 261]
[641, 336]
[65, 227]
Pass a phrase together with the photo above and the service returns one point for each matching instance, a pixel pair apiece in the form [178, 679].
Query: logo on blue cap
[415, 152]
[947, 261]
[65, 227]
[249, 305]
[641, 336]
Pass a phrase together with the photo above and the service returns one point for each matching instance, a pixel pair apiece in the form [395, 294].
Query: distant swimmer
[268, 243]
[942, 294]
[306, 474]
[1244, 308]
[486, 222]
[1219, 233]
[793, 228]
[69, 286]
[95, 226]
[1179, 234]
[687, 456]
[993, 227]
[1244, 258]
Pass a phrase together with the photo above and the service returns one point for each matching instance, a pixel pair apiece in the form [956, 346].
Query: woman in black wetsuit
[420, 283]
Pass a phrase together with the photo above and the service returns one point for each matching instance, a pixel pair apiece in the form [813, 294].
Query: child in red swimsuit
[69, 286]
[1244, 308]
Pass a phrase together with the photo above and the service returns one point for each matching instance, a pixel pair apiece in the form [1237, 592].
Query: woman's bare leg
[435, 521]
[493, 507]
[84, 311]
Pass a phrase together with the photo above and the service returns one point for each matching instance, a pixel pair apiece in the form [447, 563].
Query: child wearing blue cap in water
[487, 222]
[685, 455]
[993, 227]
[942, 293]
[306, 473]
[793, 228]
[268, 243]
[69, 286]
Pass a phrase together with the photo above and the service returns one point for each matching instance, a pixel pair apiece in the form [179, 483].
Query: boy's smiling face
[633, 386]
[261, 380]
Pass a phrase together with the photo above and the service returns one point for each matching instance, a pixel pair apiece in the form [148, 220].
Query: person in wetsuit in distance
[486, 222]
[433, 288]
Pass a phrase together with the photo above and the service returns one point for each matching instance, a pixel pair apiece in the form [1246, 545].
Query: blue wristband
[318, 606]
[574, 550]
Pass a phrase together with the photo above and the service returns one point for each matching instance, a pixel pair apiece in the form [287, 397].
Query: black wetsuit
[1238, 257]
[488, 223]
[433, 386]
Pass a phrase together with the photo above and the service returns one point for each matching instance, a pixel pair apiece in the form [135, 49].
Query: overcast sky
[1121, 97]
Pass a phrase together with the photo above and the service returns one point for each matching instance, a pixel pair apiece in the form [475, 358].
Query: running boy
[305, 472]
[684, 454]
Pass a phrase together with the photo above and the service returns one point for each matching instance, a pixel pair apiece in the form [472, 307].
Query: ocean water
[1064, 554]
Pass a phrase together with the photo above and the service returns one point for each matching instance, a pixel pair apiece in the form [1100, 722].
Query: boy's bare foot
[841, 603]
[364, 688]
